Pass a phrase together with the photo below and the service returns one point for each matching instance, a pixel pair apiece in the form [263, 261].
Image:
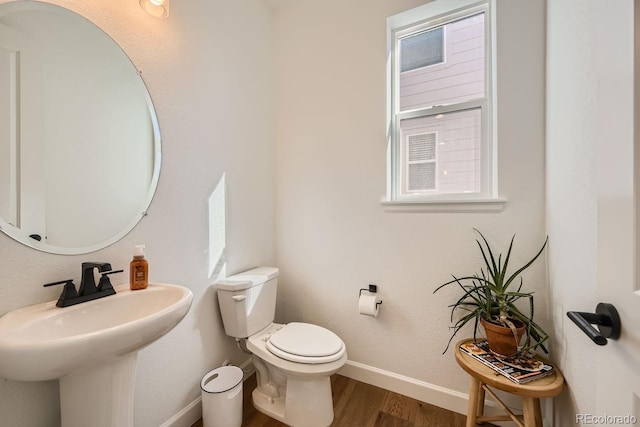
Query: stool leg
[474, 402]
[531, 412]
[480, 406]
[536, 407]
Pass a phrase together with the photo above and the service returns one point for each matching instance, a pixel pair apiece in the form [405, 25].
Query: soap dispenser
[139, 270]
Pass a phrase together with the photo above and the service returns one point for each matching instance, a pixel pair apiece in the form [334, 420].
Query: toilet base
[308, 403]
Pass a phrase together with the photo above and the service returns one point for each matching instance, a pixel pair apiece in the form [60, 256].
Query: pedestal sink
[91, 347]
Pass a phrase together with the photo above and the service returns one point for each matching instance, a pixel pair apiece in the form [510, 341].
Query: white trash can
[222, 397]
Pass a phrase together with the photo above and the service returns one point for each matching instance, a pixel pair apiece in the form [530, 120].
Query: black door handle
[607, 319]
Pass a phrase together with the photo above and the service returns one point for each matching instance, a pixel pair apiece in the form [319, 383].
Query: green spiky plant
[489, 295]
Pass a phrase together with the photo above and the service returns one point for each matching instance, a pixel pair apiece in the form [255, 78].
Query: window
[422, 50]
[420, 158]
[440, 104]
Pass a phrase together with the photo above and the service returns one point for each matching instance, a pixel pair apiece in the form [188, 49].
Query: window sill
[468, 205]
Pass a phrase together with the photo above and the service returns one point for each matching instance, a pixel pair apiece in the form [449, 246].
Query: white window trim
[444, 205]
[487, 200]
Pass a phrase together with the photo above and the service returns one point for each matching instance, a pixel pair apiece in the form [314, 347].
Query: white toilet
[293, 361]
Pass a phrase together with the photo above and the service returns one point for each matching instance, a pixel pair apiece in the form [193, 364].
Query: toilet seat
[306, 343]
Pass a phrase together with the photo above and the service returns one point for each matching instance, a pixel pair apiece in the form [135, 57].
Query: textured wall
[201, 74]
[333, 236]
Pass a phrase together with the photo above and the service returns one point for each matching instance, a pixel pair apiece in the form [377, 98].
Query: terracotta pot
[500, 338]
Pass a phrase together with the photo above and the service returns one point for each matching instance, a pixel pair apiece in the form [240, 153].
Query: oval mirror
[79, 137]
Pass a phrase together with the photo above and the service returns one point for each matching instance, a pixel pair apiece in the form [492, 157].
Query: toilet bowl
[293, 361]
[304, 381]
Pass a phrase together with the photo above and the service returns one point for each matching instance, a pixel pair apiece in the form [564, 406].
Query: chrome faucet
[88, 290]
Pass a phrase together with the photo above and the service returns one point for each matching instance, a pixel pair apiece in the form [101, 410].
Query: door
[592, 204]
[618, 235]
[9, 106]
[22, 173]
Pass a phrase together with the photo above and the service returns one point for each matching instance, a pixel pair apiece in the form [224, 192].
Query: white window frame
[415, 20]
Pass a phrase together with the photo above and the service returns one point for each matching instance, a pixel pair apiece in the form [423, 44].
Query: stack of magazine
[519, 369]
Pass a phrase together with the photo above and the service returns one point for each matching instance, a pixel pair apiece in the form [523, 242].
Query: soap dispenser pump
[139, 269]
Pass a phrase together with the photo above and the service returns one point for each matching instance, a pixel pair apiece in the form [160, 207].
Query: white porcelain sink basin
[91, 346]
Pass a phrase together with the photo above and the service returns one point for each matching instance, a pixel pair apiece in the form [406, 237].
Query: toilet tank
[248, 301]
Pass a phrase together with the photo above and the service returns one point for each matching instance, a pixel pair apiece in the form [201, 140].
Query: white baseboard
[416, 389]
[189, 415]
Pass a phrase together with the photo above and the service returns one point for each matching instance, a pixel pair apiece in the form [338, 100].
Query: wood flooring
[362, 405]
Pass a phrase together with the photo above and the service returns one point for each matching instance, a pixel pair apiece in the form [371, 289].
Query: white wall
[332, 235]
[200, 70]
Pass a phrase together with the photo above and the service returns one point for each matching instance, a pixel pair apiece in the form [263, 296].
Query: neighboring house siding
[457, 149]
[459, 78]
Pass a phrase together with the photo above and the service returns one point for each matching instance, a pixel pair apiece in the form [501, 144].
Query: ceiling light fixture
[157, 8]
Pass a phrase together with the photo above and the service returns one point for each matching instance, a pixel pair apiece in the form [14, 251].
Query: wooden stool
[482, 376]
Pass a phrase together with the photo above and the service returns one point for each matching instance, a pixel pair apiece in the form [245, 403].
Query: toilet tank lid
[247, 279]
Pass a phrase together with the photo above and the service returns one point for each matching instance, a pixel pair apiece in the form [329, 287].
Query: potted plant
[489, 298]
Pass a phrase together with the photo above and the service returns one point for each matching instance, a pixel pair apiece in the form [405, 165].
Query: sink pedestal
[100, 395]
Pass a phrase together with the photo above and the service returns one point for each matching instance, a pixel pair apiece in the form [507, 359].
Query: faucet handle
[68, 292]
[62, 282]
[104, 282]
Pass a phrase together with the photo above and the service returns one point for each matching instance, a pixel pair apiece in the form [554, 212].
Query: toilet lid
[306, 343]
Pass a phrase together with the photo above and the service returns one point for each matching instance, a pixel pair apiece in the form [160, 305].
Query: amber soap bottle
[139, 269]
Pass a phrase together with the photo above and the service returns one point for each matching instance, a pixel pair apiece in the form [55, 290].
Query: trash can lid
[221, 379]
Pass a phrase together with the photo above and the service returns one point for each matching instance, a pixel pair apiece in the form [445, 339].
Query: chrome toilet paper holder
[371, 289]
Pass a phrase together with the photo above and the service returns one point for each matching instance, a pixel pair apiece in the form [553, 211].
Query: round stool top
[547, 386]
